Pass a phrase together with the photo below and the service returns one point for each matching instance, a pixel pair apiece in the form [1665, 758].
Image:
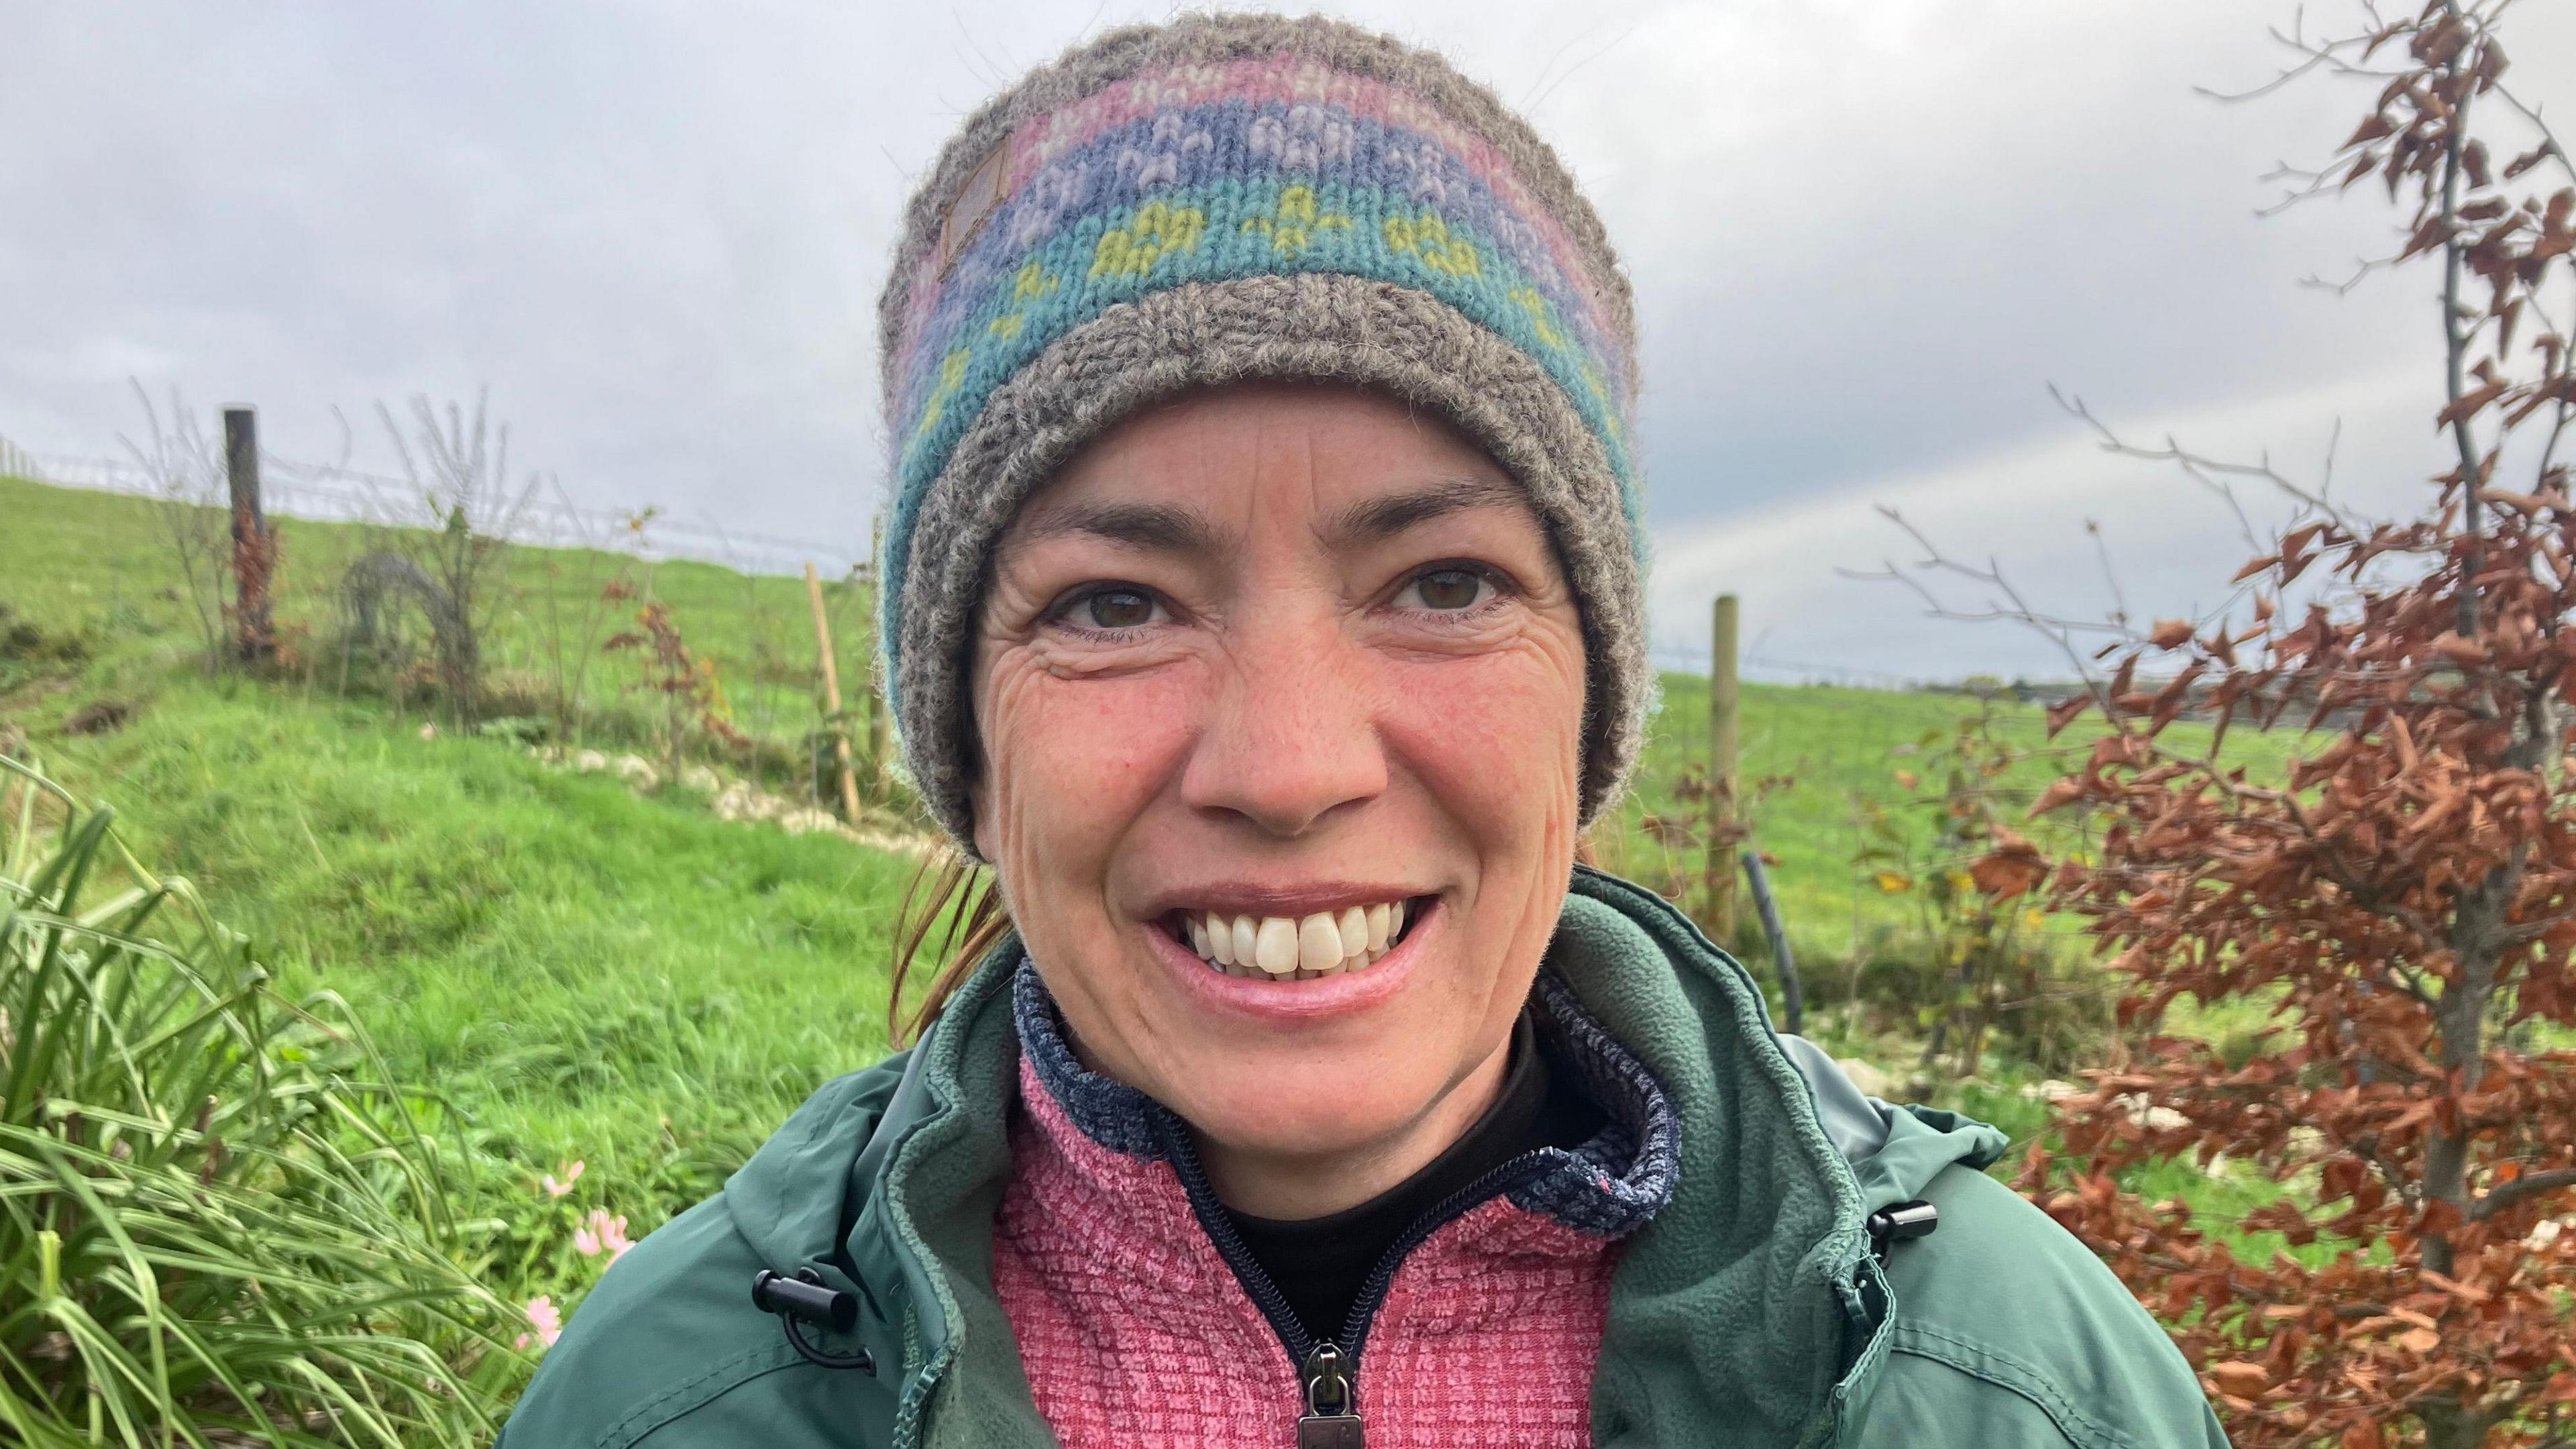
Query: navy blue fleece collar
[1608, 1187]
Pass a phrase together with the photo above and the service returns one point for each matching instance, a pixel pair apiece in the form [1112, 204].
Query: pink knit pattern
[1136, 1335]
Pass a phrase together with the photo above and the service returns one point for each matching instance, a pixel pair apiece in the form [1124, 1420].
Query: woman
[1263, 604]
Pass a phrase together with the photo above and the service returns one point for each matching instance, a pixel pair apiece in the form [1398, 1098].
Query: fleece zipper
[1328, 1370]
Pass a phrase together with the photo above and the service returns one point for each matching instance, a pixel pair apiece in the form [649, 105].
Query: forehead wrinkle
[1376, 519]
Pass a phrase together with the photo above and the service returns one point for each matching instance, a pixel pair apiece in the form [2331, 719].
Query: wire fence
[331, 493]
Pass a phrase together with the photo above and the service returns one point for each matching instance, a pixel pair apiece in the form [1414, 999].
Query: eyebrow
[1379, 519]
[1145, 527]
[1171, 528]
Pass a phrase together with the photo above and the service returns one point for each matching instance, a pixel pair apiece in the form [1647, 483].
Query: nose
[1290, 736]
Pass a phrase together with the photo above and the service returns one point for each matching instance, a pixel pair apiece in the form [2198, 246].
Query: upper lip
[1239, 898]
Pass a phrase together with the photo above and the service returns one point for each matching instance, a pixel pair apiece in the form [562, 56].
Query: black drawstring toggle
[804, 1299]
[1901, 1223]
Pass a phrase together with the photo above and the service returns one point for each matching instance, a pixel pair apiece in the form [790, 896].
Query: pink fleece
[1136, 1335]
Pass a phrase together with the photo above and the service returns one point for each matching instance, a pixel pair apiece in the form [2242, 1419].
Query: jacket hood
[1893, 1152]
[1758, 1274]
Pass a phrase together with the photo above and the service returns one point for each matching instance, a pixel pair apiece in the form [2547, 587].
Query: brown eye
[1118, 609]
[1449, 589]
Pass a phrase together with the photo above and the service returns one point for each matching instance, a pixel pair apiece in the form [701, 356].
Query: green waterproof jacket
[1751, 1311]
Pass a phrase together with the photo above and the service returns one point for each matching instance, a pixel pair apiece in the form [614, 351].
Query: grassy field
[586, 972]
[592, 973]
[1838, 750]
[78, 560]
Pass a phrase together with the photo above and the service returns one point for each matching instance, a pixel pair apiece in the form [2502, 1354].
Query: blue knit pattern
[1110, 1113]
[1093, 192]
[1612, 1184]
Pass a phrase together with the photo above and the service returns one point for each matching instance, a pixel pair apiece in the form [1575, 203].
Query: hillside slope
[590, 973]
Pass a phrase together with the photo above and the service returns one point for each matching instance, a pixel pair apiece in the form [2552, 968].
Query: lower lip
[1292, 1003]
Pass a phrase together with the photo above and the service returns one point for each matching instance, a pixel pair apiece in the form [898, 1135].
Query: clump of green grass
[220, 1224]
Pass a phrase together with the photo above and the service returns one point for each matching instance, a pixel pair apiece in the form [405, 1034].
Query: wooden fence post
[1722, 771]
[832, 697]
[254, 539]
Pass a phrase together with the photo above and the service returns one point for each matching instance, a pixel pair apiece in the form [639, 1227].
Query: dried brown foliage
[2406, 898]
[686, 681]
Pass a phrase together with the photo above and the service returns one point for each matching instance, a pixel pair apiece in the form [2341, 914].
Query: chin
[1335, 1110]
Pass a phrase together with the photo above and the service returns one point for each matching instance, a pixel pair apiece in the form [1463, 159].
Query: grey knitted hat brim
[1326, 326]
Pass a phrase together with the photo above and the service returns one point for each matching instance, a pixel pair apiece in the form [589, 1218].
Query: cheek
[1070, 763]
[1497, 741]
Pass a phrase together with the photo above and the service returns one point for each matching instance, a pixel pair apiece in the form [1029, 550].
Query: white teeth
[1319, 943]
[1279, 948]
[1274, 950]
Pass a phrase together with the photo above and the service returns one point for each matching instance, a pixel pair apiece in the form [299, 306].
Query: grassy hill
[590, 972]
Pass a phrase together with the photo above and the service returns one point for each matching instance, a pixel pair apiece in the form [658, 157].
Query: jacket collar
[1751, 1299]
[1608, 1187]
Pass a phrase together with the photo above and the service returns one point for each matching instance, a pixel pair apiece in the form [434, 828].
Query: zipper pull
[1330, 1420]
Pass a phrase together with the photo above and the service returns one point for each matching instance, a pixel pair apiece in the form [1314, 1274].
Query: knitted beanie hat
[1230, 197]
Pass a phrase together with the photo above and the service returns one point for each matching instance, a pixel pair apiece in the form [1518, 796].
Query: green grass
[1835, 748]
[212, 1215]
[581, 972]
[72, 559]
[588, 973]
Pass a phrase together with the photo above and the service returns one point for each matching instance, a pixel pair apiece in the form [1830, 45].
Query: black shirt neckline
[1321, 1264]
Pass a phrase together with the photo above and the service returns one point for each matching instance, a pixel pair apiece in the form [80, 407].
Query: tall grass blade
[220, 1225]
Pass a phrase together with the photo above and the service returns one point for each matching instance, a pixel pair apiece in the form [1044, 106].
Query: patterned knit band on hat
[1236, 197]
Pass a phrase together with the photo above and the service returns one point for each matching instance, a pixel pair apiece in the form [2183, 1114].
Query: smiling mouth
[1294, 948]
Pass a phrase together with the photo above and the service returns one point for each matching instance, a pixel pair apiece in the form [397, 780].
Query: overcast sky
[1864, 234]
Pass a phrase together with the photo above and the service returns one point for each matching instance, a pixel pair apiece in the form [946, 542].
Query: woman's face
[1272, 676]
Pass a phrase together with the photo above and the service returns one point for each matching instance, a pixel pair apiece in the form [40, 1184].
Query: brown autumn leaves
[2405, 900]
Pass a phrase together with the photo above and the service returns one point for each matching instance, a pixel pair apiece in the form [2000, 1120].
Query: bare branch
[2327, 55]
[2110, 575]
[2362, 270]
[2548, 138]
[2015, 609]
[2531, 1184]
[2210, 472]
